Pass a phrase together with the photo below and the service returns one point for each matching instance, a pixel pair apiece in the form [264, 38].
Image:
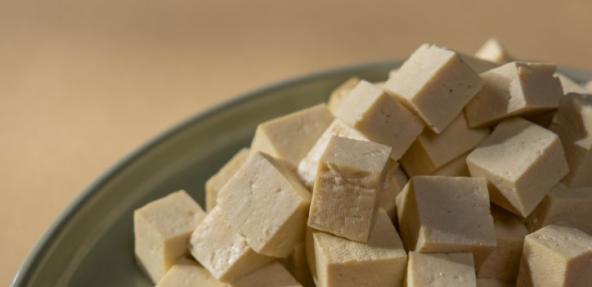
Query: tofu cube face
[514, 89]
[436, 83]
[457, 167]
[189, 274]
[271, 275]
[349, 180]
[492, 50]
[452, 269]
[343, 263]
[340, 93]
[267, 204]
[556, 256]
[380, 117]
[394, 181]
[161, 232]
[291, 136]
[215, 183]
[522, 162]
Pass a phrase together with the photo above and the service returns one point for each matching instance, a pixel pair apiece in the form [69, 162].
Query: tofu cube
[340, 92]
[522, 162]
[222, 250]
[432, 151]
[482, 282]
[215, 183]
[457, 167]
[349, 180]
[291, 136]
[380, 118]
[342, 263]
[188, 274]
[477, 64]
[452, 269]
[394, 181]
[161, 232]
[556, 256]
[492, 50]
[436, 83]
[271, 275]
[514, 89]
[569, 85]
[297, 265]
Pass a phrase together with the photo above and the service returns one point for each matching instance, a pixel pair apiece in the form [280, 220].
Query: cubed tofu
[215, 183]
[492, 50]
[522, 162]
[266, 202]
[222, 250]
[380, 117]
[342, 263]
[441, 270]
[477, 64]
[514, 89]
[271, 275]
[307, 168]
[349, 181]
[566, 207]
[297, 265]
[482, 282]
[556, 256]
[436, 83]
[189, 274]
[432, 151]
[161, 231]
[503, 263]
[446, 214]
[291, 136]
[569, 85]
[394, 181]
[457, 167]
[573, 124]
[340, 92]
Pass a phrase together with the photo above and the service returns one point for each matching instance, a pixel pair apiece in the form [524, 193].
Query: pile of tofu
[458, 170]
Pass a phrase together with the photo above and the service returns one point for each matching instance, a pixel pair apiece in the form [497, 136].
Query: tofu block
[569, 85]
[291, 136]
[267, 204]
[189, 274]
[566, 207]
[556, 256]
[477, 64]
[457, 167]
[380, 117]
[503, 263]
[297, 265]
[514, 89]
[271, 275]
[215, 183]
[522, 162]
[481, 282]
[340, 92]
[307, 168]
[222, 250]
[161, 232]
[349, 181]
[436, 83]
[492, 50]
[432, 151]
[446, 214]
[342, 263]
[394, 181]
[441, 270]
[573, 124]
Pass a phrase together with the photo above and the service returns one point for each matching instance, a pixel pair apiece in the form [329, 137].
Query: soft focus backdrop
[83, 83]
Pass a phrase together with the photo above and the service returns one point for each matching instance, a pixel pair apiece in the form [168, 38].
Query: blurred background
[83, 83]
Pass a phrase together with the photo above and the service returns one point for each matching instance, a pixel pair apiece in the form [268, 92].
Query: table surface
[83, 83]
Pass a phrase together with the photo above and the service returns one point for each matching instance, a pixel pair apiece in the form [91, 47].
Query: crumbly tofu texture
[189, 274]
[271, 275]
[442, 270]
[340, 92]
[215, 183]
[436, 83]
[266, 202]
[492, 50]
[394, 181]
[514, 89]
[380, 117]
[291, 136]
[522, 162]
[342, 263]
[569, 85]
[161, 231]
[348, 183]
[556, 256]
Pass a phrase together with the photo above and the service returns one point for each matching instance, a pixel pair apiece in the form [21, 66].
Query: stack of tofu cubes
[458, 170]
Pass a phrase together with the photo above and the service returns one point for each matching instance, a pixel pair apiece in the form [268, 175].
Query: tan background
[83, 83]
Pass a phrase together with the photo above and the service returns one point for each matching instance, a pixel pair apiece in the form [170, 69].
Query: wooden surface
[83, 83]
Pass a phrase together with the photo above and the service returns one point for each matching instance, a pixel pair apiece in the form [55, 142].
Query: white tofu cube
[394, 181]
[215, 183]
[189, 274]
[340, 92]
[452, 269]
[492, 50]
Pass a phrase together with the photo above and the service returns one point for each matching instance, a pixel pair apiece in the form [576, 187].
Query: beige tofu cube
[297, 265]
[349, 180]
[291, 136]
[432, 151]
[441, 270]
[503, 263]
[492, 50]
[215, 183]
[446, 214]
[457, 167]
[569, 85]
[161, 232]
[307, 168]
[477, 64]
[380, 118]
[222, 250]
[436, 83]
[573, 124]
[556, 256]
[271, 275]
[514, 89]
[394, 181]
[266, 202]
[189, 274]
[392, 73]
[482, 282]
[522, 162]
[340, 92]
[566, 207]
[342, 263]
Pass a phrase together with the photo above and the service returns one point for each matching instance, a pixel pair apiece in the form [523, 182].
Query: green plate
[91, 243]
